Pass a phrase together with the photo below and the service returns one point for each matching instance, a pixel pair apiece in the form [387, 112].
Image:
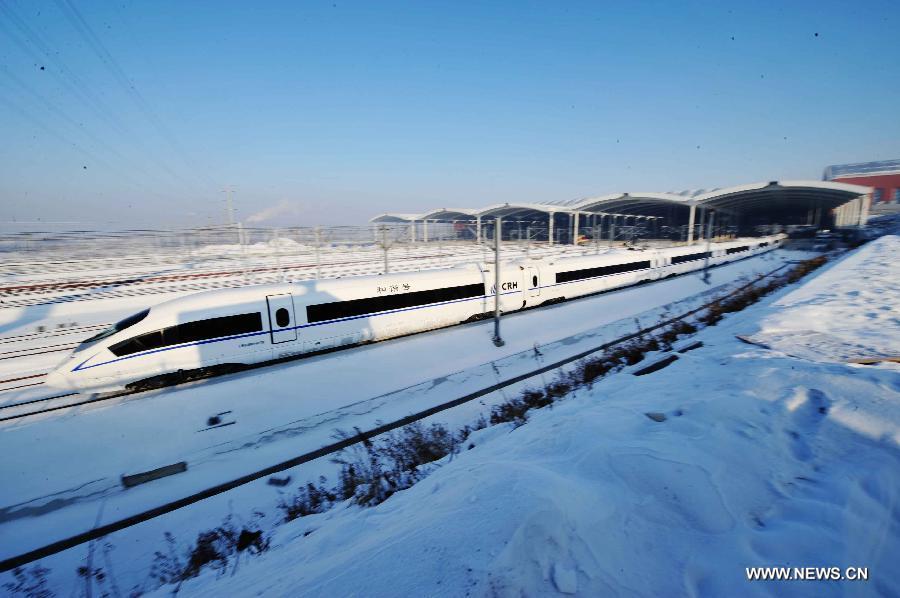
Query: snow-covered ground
[31, 281]
[766, 457]
[816, 323]
[56, 487]
[589, 497]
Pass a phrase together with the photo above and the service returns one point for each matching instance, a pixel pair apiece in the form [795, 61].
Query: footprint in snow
[806, 418]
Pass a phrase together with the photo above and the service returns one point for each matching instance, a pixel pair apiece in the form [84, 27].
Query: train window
[680, 259]
[358, 307]
[190, 332]
[201, 330]
[282, 317]
[117, 327]
[598, 271]
[143, 342]
[131, 320]
[534, 281]
[738, 249]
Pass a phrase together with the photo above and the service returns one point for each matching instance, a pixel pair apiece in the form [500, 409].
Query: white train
[224, 329]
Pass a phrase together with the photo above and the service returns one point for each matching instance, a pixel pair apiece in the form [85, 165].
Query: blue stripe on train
[81, 366]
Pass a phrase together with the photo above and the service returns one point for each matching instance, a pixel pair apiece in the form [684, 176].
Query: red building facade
[883, 177]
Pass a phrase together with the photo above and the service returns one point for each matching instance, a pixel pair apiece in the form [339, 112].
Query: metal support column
[384, 246]
[690, 231]
[709, 232]
[865, 204]
[318, 232]
[498, 341]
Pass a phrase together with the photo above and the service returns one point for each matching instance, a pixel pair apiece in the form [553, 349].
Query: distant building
[883, 177]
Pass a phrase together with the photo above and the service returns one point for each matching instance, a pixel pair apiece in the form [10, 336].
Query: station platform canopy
[790, 202]
[638, 204]
[450, 214]
[523, 211]
[742, 208]
[395, 218]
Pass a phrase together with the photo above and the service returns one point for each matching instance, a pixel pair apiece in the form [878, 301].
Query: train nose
[57, 379]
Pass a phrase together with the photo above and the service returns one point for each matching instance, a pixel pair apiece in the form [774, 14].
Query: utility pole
[709, 231]
[278, 255]
[385, 247]
[229, 205]
[497, 340]
[229, 210]
[240, 235]
[318, 253]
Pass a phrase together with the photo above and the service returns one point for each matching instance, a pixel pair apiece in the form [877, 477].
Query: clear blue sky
[327, 112]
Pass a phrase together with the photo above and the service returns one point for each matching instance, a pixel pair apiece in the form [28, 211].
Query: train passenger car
[577, 276]
[220, 329]
[217, 329]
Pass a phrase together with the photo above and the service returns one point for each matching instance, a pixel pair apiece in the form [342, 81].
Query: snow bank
[762, 459]
[829, 320]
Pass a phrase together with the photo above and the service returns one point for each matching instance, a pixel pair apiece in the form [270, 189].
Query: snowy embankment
[764, 457]
[68, 485]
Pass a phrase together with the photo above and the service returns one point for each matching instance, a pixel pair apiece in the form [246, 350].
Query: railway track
[37, 351]
[29, 380]
[65, 286]
[196, 282]
[20, 386]
[4, 409]
[175, 258]
[45, 334]
[361, 437]
[40, 293]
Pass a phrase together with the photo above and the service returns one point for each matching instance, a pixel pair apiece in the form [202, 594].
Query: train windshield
[117, 327]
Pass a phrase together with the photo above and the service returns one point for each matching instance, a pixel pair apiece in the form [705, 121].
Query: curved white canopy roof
[394, 217]
[780, 195]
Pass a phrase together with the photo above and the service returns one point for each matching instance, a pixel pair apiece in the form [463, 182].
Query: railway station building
[743, 210]
[883, 177]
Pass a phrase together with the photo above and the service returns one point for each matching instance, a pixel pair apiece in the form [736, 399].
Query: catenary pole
[384, 246]
[498, 341]
[709, 232]
[318, 232]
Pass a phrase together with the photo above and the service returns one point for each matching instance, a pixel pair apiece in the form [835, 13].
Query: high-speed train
[226, 329]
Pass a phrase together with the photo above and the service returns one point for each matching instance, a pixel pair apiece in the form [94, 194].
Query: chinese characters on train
[393, 288]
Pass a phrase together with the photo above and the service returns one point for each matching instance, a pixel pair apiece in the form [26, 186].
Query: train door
[534, 282]
[281, 318]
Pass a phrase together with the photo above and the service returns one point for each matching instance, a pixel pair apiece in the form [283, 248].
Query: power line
[90, 156]
[75, 85]
[87, 33]
[70, 80]
[65, 141]
[60, 114]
